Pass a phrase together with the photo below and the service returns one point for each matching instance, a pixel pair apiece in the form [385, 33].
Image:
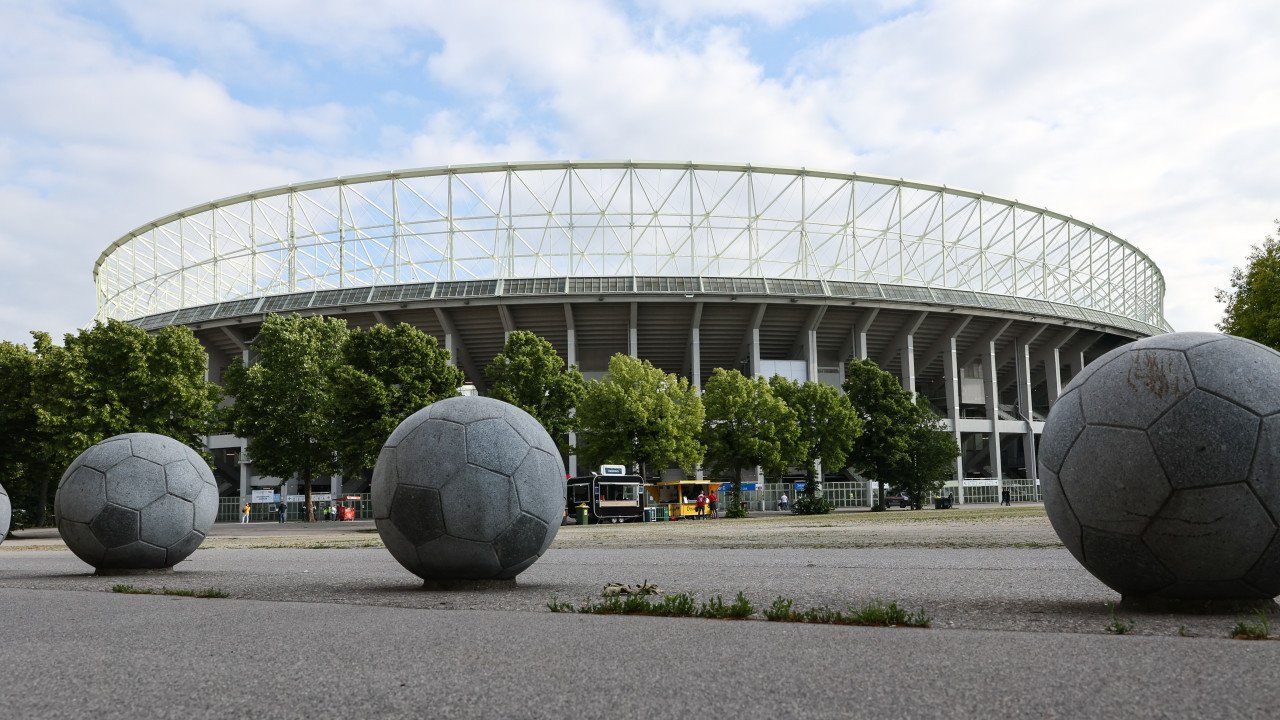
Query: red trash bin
[346, 513]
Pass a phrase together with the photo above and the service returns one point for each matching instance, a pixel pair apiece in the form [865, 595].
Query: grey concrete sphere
[468, 488]
[6, 513]
[1160, 468]
[136, 502]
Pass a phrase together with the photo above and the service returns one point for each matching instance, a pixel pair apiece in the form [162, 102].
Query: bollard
[583, 518]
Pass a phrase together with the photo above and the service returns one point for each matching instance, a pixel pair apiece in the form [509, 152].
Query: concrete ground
[318, 626]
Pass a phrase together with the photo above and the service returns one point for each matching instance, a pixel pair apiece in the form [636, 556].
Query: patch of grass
[1116, 626]
[1259, 628]
[716, 608]
[556, 606]
[176, 592]
[875, 613]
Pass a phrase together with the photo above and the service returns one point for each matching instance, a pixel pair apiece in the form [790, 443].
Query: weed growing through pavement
[1116, 626]
[1257, 629]
[875, 613]
[176, 592]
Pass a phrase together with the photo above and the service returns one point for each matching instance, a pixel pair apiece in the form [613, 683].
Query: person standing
[1004, 498]
[700, 505]
[281, 510]
[244, 515]
[782, 502]
[713, 501]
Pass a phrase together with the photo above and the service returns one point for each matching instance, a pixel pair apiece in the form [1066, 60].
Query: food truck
[680, 497]
[611, 496]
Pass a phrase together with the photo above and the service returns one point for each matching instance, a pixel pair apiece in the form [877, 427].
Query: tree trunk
[306, 489]
[44, 501]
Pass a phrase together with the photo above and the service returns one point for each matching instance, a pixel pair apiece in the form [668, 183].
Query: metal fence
[231, 508]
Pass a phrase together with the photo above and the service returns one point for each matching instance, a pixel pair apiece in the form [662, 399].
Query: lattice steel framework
[603, 219]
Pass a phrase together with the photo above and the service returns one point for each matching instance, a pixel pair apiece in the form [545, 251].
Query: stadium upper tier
[592, 227]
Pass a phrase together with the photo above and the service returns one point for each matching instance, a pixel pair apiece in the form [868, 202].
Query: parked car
[897, 500]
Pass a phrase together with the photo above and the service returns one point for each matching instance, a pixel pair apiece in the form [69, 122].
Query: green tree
[283, 402]
[746, 426]
[115, 378]
[385, 374]
[21, 461]
[930, 457]
[1253, 302]
[641, 417]
[828, 426]
[529, 374]
[888, 414]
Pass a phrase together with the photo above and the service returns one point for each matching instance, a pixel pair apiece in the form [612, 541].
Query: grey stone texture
[136, 502]
[468, 488]
[6, 513]
[1160, 468]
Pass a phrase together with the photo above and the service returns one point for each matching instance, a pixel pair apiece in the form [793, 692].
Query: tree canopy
[531, 375]
[640, 416]
[888, 414]
[930, 457]
[746, 426]
[1253, 302]
[826, 421]
[384, 375]
[283, 402]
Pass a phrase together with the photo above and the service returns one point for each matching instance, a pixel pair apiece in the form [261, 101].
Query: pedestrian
[714, 501]
[244, 516]
[782, 502]
[1004, 498]
[282, 510]
[700, 505]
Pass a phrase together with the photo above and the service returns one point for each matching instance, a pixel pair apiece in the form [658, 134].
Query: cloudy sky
[1158, 120]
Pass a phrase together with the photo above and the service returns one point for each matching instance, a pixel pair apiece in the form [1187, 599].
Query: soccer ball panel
[115, 526]
[405, 552]
[166, 521]
[82, 495]
[1133, 392]
[415, 512]
[1205, 440]
[478, 504]
[1211, 534]
[82, 541]
[1124, 563]
[1119, 465]
[1265, 574]
[407, 426]
[495, 445]
[383, 484]
[182, 549]
[434, 452]
[1061, 428]
[183, 479]
[521, 541]
[1265, 473]
[159, 449]
[107, 453]
[1181, 341]
[135, 483]
[1244, 372]
[1060, 513]
[541, 486]
[456, 558]
[137, 554]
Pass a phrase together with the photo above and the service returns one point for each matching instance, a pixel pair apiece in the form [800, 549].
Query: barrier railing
[231, 508]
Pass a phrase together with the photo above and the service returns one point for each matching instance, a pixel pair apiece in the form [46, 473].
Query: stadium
[984, 305]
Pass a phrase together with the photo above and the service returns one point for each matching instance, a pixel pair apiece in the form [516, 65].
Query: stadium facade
[984, 305]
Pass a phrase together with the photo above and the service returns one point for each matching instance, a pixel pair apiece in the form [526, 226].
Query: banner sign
[981, 482]
[264, 496]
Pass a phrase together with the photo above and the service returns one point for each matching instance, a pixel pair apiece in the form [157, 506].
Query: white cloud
[1155, 120]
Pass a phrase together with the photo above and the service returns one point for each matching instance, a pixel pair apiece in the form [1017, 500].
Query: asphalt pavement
[318, 633]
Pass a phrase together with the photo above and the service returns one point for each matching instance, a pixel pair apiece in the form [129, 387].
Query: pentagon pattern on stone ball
[6, 513]
[468, 488]
[135, 502]
[1160, 468]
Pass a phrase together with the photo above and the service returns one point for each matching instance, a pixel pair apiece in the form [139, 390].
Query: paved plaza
[318, 626]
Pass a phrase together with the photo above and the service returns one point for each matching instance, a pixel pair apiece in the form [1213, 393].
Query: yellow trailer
[680, 496]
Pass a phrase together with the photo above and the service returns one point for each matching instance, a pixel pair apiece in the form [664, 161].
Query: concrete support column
[572, 343]
[245, 490]
[1022, 364]
[633, 341]
[860, 330]
[811, 355]
[951, 377]
[909, 363]
[993, 412]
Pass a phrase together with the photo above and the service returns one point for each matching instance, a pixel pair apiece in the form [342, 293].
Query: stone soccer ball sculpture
[6, 513]
[1160, 468]
[136, 502]
[468, 488]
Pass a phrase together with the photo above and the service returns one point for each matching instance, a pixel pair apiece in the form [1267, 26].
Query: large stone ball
[468, 488]
[136, 502]
[6, 513]
[1160, 467]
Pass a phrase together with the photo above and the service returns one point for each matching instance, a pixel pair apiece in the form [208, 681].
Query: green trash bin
[650, 514]
[663, 513]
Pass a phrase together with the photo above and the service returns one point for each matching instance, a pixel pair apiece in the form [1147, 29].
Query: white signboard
[315, 497]
[981, 482]
[263, 496]
[613, 470]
